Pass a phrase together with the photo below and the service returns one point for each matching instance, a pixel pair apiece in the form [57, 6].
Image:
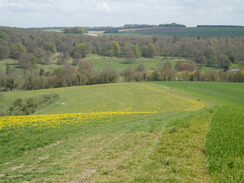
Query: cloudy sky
[44, 13]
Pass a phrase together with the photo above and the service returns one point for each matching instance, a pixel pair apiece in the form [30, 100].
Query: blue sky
[44, 13]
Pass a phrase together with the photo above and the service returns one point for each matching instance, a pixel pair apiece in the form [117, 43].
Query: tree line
[37, 47]
[85, 74]
[30, 47]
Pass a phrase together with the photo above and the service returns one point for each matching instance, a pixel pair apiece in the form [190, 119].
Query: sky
[91, 13]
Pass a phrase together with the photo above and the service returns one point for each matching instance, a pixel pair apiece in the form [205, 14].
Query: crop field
[186, 32]
[224, 142]
[124, 132]
[223, 93]
[225, 145]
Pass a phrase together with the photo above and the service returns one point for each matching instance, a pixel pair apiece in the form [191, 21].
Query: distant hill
[201, 31]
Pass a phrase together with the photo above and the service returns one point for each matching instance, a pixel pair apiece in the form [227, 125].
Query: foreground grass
[129, 148]
[224, 142]
[225, 145]
[114, 148]
[166, 144]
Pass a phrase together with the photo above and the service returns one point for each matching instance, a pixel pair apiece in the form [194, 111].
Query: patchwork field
[185, 32]
[125, 132]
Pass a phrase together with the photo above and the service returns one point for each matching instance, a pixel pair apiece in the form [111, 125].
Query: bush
[31, 105]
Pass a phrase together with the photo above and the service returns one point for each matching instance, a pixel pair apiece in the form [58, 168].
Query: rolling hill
[124, 132]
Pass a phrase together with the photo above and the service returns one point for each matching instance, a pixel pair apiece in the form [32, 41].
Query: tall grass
[225, 145]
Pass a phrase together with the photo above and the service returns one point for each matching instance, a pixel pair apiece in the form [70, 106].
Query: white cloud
[28, 13]
[105, 7]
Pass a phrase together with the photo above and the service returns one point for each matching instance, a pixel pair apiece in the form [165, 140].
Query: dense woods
[30, 47]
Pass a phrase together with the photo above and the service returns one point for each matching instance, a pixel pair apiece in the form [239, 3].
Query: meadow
[221, 92]
[100, 62]
[125, 132]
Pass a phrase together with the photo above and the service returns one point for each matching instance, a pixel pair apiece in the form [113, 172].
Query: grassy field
[225, 145]
[224, 142]
[223, 93]
[126, 132]
[101, 62]
[121, 64]
[122, 97]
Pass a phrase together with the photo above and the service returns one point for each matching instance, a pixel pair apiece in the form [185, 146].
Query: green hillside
[224, 93]
[124, 97]
[125, 132]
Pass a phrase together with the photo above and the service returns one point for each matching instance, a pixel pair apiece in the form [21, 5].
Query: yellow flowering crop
[56, 120]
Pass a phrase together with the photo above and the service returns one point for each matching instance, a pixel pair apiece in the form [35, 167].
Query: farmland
[223, 93]
[41, 60]
[101, 62]
[126, 132]
[185, 32]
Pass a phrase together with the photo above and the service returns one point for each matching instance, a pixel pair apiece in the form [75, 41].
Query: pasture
[100, 62]
[221, 92]
[125, 132]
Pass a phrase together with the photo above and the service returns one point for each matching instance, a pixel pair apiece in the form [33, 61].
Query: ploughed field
[126, 132]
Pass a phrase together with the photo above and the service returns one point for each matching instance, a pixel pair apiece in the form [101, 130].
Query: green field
[223, 93]
[125, 132]
[122, 97]
[121, 64]
[101, 62]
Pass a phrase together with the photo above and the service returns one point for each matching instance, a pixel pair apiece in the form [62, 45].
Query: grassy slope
[157, 147]
[227, 93]
[125, 150]
[224, 142]
[127, 97]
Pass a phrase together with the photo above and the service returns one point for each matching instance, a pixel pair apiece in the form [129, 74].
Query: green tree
[224, 62]
[108, 75]
[210, 55]
[16, 50]
[75, 30]
[83, 49]
[10, 83]
[200, 58]
[129, 53]
[4, 52]
[149, 51]
[27, 61]
[116, 48]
